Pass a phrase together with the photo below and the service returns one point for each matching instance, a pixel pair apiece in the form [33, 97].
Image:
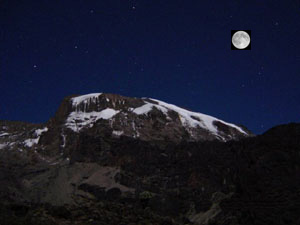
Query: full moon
[241, 39]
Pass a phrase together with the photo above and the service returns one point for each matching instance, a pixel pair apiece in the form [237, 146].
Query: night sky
[172, 50]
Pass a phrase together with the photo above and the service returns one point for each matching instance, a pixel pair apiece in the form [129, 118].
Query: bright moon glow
[241, 39]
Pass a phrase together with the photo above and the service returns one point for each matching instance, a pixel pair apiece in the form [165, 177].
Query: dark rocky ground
[127, 181]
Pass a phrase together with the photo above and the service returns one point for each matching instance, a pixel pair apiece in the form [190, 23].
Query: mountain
[109, 159]
[114, 115]
[148, 119]
[145, 119]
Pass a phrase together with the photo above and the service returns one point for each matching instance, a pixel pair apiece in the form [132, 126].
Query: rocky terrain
[109, 159]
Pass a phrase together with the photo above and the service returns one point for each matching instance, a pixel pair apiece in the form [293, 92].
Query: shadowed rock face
[52, 174]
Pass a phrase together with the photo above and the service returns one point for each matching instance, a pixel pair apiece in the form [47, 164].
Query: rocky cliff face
[142, 161]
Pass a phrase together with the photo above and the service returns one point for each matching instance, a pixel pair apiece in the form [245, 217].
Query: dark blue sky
[176, 51]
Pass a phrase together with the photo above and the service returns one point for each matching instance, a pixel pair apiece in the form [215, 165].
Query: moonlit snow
[4, 134]
[205, 121]
[118, 133]
[79, 119]
[144, 109]
[38, 132]
[32, 141]
[85, 98]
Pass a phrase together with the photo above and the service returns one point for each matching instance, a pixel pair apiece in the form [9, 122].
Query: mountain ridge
[85, 110]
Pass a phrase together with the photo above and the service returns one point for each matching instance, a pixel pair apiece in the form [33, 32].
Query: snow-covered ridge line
[205, 120]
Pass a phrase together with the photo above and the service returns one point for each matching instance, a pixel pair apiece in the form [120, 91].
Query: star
[133, 8]
[34, 66]
[76, 46]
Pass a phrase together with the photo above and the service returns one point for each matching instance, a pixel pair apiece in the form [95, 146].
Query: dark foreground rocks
[106, 180]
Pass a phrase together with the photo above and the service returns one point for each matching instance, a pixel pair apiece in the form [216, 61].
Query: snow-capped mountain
[143, 118]
[114, 115]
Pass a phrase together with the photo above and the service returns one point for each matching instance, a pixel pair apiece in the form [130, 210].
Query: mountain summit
[143, 118]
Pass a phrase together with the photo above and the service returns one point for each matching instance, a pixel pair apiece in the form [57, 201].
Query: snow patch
[64, 140]
[38, 132]
[4, 134]
[85, 98]
[78, 120]
[117, 132]
[30, 142]
[145, 109]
